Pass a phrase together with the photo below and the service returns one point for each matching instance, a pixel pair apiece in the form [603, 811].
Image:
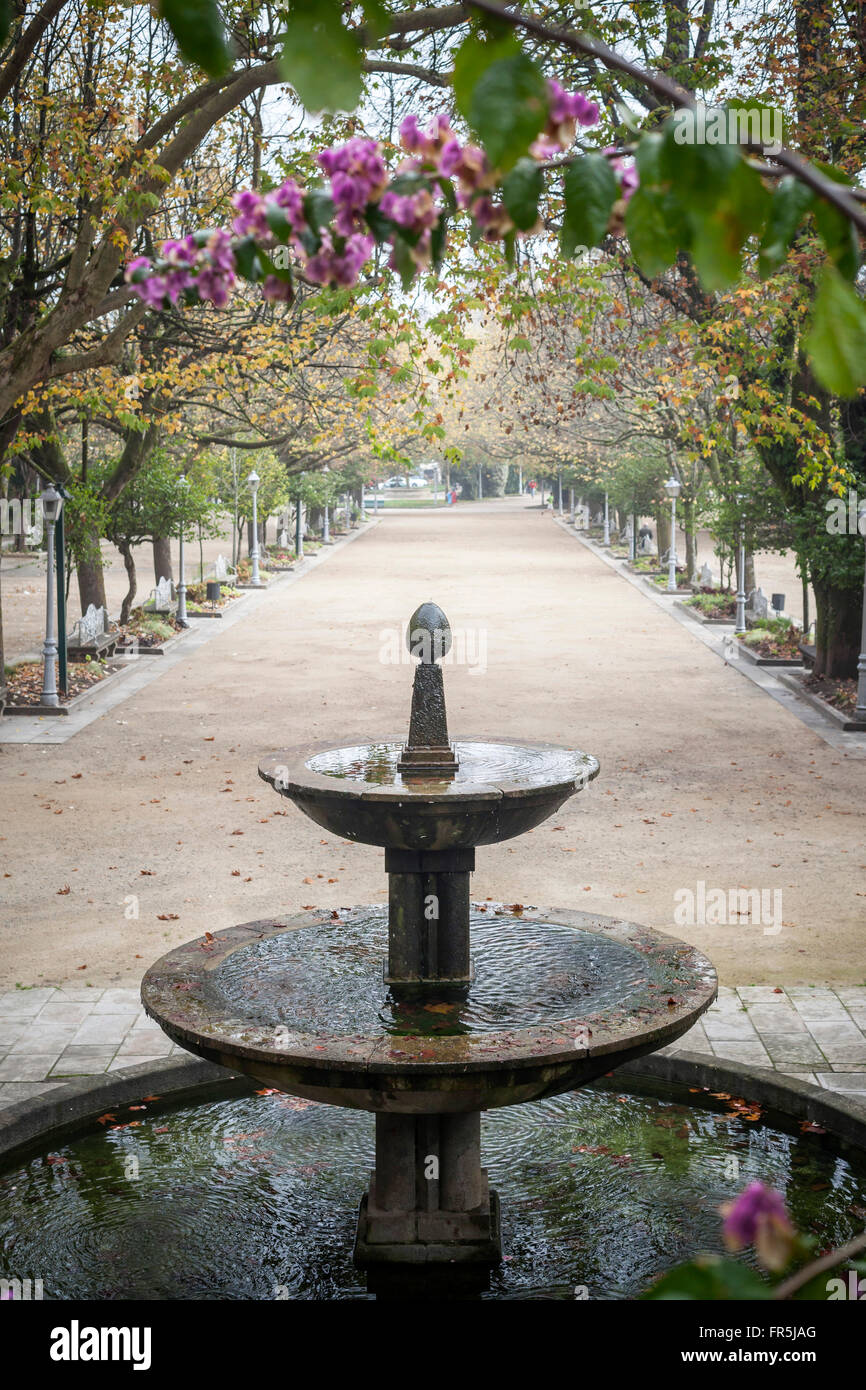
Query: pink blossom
[251, 219]
[331, 267]
[629, 179]
[566, 111]
[759, 1217]
[415, 211]
[276, 290]
[358, 177]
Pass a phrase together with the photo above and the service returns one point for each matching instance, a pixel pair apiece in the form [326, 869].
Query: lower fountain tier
[300, 1004]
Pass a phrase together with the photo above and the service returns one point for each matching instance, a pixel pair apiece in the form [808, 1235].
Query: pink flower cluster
[759, 1217]
[206, 262]
[629, 179]
[565, 112]
[358, 176]
[358, 180]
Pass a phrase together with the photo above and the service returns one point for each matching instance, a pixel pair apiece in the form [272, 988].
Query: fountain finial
[427, 751]
[428, 635]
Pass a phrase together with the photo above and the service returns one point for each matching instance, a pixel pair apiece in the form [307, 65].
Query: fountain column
[429, 1202]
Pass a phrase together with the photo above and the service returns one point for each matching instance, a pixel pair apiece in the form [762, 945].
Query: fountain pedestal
[429, 1201]
[428, 917]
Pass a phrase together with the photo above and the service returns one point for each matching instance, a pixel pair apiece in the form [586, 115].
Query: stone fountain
[429, 1012]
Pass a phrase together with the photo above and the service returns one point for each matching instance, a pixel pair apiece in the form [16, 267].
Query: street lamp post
[860, 708]
[299, 529]
[480, 485]
[632, 545]
[326, 528]
[52, 506]
[183, 483]
[672, 488]
[253, 484]
[606, 521]
[740, 621]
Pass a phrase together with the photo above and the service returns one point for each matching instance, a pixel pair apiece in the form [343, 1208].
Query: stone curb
[788, 1094]
[24, 1127]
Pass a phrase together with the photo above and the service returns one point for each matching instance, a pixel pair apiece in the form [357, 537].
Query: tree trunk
[663, 531]
[691, 540]
[126, 607]
[837, 630]
[751, 582]
[91, 579]
[162, 558]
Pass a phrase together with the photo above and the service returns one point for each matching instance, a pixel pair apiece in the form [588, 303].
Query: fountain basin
[500, 790]
[238, 998]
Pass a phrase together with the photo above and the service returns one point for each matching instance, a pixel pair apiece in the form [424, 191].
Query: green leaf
[788, 206]
[248, 260]
[321, 58]
[710, 1278]
[508, 108]
[438, 241]
[703, 170]
[835, 229]
[649, 231]
[648, 159]
[471, 61]
[406, 267]
[836, 341]
[198, 28]
[278, 222]
[720, 233]
[521, 191]
[590, 190]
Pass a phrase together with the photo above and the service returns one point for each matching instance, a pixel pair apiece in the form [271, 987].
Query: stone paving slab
[48, 1036]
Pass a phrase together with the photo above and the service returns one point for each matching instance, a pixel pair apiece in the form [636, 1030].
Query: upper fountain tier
[429, 794]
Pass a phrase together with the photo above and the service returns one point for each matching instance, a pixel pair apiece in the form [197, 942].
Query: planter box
[843, 721]
[132, 654]
[661, 589]
[701, 616]
[758, 660]
[41, 711]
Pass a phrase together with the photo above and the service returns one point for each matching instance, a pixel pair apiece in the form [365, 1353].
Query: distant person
[454, 496]
[532, 487]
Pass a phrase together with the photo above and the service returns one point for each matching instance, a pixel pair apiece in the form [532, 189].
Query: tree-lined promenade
[567, 194]
[704, 779]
